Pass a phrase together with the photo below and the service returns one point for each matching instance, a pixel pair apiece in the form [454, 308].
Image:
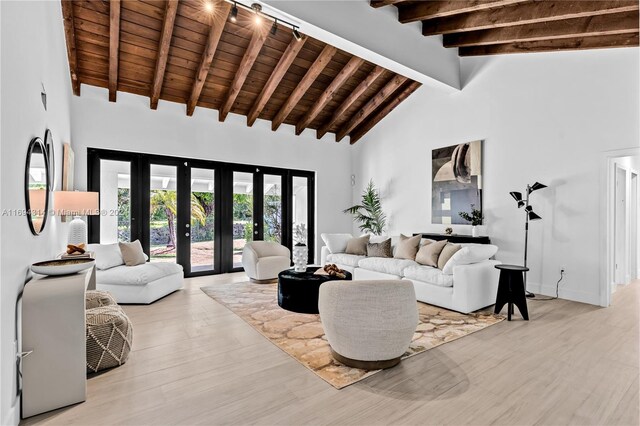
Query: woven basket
[109, 337]
[97, 298]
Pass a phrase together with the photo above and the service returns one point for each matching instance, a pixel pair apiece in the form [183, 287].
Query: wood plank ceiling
[492, 27]
[181, 51]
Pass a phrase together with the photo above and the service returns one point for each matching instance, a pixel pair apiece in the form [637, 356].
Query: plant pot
[300, 257]
[474, 231]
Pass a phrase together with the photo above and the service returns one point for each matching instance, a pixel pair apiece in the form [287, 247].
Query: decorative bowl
[62, 266]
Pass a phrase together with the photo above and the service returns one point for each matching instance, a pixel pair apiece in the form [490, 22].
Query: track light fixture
[296, 34]
[260, 15]
[233, 16]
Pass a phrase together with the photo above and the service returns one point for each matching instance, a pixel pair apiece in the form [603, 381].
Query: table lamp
[76, 204]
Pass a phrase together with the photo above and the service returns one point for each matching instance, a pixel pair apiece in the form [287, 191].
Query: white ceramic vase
[474, 231]
[300, 258]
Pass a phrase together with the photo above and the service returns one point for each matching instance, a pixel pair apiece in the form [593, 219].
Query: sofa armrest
[324, 252]
[280, 250]
[475, 286]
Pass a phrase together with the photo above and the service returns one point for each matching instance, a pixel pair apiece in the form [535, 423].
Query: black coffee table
[298, 291]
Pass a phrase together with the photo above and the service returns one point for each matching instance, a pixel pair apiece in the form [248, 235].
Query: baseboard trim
[568, 294]
[13, 416]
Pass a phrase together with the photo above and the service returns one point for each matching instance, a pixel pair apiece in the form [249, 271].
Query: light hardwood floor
[195, 362]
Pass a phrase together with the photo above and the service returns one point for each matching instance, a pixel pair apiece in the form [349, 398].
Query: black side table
[511, 290]
[298, 291]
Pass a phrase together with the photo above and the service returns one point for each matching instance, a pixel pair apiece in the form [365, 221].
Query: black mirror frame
[51, 159]
[36, 141]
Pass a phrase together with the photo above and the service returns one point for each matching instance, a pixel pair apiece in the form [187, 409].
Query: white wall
[33, 52]
[131, 125]
[544, 117]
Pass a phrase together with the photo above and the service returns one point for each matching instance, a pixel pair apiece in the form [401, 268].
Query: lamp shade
[516, 195]
[533, 215]
[537, 186]
[76, 203]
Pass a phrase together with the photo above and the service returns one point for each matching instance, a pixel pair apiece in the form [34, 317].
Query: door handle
[186, 234]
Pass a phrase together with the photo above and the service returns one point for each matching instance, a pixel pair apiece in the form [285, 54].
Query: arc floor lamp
[529, 216]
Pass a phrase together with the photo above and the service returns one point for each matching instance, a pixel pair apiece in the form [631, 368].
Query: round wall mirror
[51, 159]
[36, 185]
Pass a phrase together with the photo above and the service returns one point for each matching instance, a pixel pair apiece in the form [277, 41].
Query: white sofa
[140, 284]
[465, 289]
[264, 260]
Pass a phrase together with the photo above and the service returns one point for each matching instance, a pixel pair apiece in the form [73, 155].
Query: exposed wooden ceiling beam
[250, 55]
[382, 3]
[402, 94]
[274, 79]
[312, 73]
[420, 11]
[70, 36]
[163, 51]
[114, 47]
[527, 13]
[578, 43]
[370, 106]
[610, 24]
[347, 71]
[217, 25]
[353, 96]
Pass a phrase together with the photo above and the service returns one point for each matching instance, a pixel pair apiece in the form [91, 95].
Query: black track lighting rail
[256, 8]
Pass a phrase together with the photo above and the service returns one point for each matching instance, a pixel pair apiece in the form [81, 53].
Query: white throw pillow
[107, 255]
[468, 254]
[336, 243]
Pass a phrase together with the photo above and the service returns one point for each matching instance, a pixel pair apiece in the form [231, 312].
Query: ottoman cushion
[109, 337]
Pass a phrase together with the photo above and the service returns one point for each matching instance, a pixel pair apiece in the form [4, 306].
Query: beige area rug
[302, 336]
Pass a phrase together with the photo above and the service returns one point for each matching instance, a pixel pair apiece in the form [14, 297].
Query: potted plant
[369, 214]
[300, 252]
[475, 218]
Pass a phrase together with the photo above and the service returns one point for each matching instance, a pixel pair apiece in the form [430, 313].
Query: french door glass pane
[163, 212]
[300, 203]
[242, 214]
[202, 219]
[272, 208]
[115, 201]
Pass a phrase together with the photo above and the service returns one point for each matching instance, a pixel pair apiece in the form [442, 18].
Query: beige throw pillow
[407, 247]
[428, 254]
[358, 245]
[446, 253]
[132, 253]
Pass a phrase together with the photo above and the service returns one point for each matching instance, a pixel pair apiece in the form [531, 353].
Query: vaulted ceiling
[190, 52]
[491, 27]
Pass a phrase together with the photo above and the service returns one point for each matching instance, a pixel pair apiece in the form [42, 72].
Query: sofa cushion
[429, 253]
[132, 253]
[468, 254]
[382, 249]
[336, 243]
[358, 245]
[407, 247]
[106, 255]
[386, 265]
[137, 275]
[428, 274]
[447, 252]
[345, 259]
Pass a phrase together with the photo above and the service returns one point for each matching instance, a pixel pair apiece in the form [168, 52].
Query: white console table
[54, 370]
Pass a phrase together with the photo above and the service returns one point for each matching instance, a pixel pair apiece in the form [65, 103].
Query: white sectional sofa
[140, 284]
[463, 287]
